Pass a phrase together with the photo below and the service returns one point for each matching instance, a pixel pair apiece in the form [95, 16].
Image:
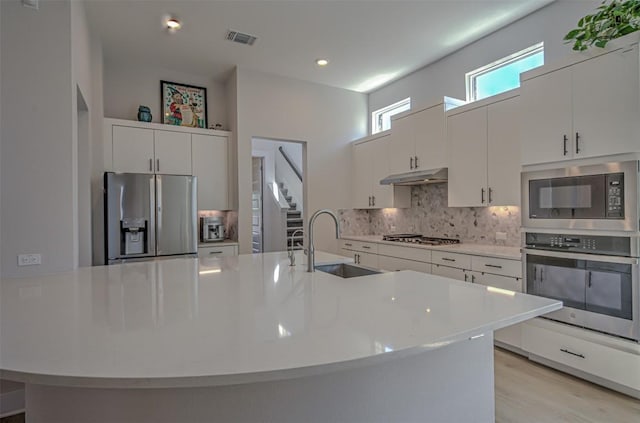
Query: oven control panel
[591, 244]
[615, 195]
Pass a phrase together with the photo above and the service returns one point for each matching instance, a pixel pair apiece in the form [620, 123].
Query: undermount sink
[345, 270]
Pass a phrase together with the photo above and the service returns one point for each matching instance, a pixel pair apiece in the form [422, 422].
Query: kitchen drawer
[408, 253]
[393, 264]
[504, 282]
[365, 247]
[461, 261]
[449, 272]
[218, 251]
[497, 266]
[618, 366]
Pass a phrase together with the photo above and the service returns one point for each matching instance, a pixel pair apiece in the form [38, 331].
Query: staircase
[294, 220]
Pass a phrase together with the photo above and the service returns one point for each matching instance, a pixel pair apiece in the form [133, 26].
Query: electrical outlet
[501, 236]
[29, 259]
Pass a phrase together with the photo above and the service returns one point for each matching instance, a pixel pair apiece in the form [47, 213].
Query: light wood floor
[527, 392]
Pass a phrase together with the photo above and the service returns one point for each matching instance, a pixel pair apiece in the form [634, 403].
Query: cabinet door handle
[150, 165]
[490, 194]
[565, 151]
[415, 162]
[473, 278]
[482, 195]
[410, 162]
[577, 143]
[495, 266]
[465, 277]
[157, 165]
[589, 279]
[448, 259]
[215, 252]
[564, 350]
[373, 200]
[366, 247]
[348, 245]
[369, 201]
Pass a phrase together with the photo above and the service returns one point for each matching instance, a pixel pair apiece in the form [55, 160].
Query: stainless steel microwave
[601, 197]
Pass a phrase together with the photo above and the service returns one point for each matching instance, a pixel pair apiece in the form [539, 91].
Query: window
[504, 74]
[381, 118]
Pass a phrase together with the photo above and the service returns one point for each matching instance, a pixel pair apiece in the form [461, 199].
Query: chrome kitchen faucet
[311, 265]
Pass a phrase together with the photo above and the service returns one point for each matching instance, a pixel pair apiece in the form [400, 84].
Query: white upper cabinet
[370, 164]
[140, 147]
[141, 150]
[132, 149]
[467, 133]
[484, 149]
[419, 139]
[503, 150]
[173, 152]
[581, 110]
[210, 164]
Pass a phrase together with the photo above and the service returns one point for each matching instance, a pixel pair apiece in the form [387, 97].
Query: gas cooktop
[419, 239]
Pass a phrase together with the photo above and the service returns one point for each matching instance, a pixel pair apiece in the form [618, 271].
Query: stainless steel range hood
[420, 177]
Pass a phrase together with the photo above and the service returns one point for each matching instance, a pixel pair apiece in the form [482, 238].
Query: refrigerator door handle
[158, 213]
[152, 215]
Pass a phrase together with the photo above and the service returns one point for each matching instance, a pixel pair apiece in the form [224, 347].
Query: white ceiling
[368, 43]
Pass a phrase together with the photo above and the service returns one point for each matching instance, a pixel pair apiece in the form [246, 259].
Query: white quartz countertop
[227, 320]
[498, 251]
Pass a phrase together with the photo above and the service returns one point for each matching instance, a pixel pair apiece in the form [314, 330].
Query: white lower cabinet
[497, 281]
[449, 272]
[363, 253]
[218, 251]
[620, 365]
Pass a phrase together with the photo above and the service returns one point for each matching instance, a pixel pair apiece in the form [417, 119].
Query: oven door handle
[581, 256]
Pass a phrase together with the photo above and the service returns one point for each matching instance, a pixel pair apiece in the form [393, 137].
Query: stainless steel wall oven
[596, 278]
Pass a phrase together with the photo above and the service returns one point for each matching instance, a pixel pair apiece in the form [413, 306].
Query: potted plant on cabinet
[612, 20]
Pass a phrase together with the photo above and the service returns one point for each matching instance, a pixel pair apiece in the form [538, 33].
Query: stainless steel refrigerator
[149, 215]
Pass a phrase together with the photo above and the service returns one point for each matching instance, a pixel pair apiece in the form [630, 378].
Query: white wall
[326, 118]
[41, 76]
[37, 137]
[447, 76]
[127, 86]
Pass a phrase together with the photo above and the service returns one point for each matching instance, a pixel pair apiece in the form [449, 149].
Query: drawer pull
[215, 252]
[348, 245]
[366, 247]
[564, 350]
[495, 266]
[448, 259]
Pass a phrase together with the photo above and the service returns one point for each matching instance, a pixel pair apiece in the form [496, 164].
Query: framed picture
[183, 105]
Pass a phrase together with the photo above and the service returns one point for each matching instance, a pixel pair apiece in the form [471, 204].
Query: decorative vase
[144, 114]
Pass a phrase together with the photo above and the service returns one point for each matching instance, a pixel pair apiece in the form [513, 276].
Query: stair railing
[291, 163]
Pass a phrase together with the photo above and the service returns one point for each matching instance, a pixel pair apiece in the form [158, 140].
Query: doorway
[278, 194]
[257, 180]
[83, 174]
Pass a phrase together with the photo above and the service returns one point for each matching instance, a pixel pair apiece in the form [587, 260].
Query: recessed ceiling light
[322, 62]
[173, 24]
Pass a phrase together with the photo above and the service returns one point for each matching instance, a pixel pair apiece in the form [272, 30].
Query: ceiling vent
[241, 38]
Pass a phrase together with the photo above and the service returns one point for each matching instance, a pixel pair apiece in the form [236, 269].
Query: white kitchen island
[249, 338]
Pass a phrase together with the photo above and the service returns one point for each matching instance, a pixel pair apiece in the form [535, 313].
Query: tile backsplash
[429, 215]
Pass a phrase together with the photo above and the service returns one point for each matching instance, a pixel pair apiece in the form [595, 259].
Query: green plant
[612, 20]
